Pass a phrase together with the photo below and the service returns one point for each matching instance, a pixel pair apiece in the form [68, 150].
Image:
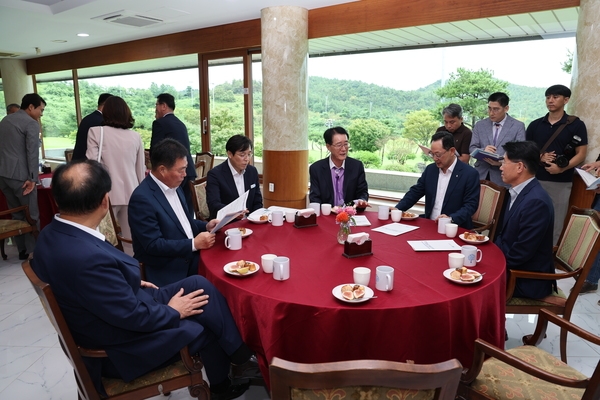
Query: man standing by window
[89, 121]
[453, 123]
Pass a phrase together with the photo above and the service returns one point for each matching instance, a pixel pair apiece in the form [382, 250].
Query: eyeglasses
[494, 109]
[341, 144]
[437, 155]
[244, 156]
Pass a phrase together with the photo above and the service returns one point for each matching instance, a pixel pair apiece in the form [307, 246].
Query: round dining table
[425, 318]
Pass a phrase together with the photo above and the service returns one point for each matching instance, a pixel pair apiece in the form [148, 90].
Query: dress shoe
[247, 370]
[588, 287]
[233, 391]
[23, 255]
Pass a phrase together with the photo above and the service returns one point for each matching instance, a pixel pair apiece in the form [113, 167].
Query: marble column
[15, 80]
[284, 43]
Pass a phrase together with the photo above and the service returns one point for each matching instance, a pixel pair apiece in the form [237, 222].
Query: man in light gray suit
[491, 133]
[19, 162]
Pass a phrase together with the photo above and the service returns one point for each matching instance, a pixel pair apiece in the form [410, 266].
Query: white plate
[337, 293]
[462, 237]
[447, 276]
[227, 271]
[254, 217]
[410, 218]
[248, 232]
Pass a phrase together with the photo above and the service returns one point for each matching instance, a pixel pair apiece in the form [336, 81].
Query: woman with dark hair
[121, 151]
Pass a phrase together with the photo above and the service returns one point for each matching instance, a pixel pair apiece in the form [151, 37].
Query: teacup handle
[388, 282]
[227, 242]
[480, 254]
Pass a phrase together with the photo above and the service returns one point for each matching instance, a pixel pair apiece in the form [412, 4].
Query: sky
[530, 63]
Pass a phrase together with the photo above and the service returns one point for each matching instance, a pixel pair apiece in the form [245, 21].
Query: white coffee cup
[290, 216]
[456, 260]
[384, 278]
[316, 207]
[362, 276]
[266, 261]
[383, 212]
[451, 230]
[442, 224]
[281, 268]
[276, 218]
[233, 240]
[472, 255]
[325, 209]
[46, 182]
[396, 215]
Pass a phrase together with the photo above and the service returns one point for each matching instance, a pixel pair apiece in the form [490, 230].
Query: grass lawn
[58, 143]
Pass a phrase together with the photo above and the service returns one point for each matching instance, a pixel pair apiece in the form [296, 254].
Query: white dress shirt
[442, 186]
[238, 179]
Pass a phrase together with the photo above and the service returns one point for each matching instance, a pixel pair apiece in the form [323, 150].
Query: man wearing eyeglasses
[338, 179]
[491, 133]
[231, 179]
[451, 187]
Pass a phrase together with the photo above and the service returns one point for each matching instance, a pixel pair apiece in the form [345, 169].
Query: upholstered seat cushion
[555, 299]
[7, 225]
[201, 196]
[501, 381]
[361, 392]
[116, 386]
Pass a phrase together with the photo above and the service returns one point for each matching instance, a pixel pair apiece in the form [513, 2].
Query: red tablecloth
[426, 318]
[46, 204]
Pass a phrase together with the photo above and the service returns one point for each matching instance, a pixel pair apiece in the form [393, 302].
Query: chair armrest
[192, 363]
[124, 239]
[546, 316]
[93, 353]
[483, 227]
[513, 274]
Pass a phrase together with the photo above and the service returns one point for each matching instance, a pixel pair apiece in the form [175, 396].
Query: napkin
[306, 212]
[358, 238]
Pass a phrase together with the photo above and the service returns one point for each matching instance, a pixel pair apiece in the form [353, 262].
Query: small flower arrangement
[345, 214]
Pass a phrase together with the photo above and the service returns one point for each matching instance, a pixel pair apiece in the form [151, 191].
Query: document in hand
[426, 150]
[230, 211]
[481, 155]
[592, 182]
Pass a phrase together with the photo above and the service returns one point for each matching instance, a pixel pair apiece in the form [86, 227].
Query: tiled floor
[32, 365]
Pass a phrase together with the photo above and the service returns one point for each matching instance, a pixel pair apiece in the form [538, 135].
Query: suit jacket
[123, 157]
[89, 121]
[169, 126]
[98, 290]
[221, 189]
[525, 238]
[462, 196]
[19, 147]
[159, 240]
[321, 185]
[483, 135]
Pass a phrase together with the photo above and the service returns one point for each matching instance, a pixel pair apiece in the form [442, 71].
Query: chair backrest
[208, 159]
[384, 379]
[491, 199]
[111, 229]
[198, 189]
[68, 155]
[579, 239]
[147, 159]
[201, 169]
[85, 385]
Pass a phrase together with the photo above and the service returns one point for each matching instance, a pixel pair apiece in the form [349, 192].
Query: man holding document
[234, 178]
[165, 236]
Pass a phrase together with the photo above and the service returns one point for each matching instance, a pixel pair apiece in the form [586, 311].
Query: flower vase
[343, 233]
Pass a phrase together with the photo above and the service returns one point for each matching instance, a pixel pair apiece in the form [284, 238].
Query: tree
[567, 66]
[419, 126]
[365, 133]
[470, 89]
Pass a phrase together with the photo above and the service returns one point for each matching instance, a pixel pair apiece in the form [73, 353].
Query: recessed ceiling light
[59, 41]
[83, 35]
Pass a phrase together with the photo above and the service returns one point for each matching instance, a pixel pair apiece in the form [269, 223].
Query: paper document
[426, 150]
[238, 205]
[481, 155]
[395, 229]
[361, 220]
[227, 218]
[434, 245]
[592, 182]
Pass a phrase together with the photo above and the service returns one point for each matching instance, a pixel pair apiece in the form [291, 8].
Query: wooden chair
[68, 155]
[198, 189]
[184, 373]
[14, 227]
[147, 159]
[380, 379]
[527, 372]
[577, 247]
[491, 200]
[208, 158]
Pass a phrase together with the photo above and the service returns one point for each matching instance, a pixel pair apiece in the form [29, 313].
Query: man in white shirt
[451, 187]
[165, 236]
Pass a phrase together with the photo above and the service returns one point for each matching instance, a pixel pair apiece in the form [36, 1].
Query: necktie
[496, 132]
[339, 191]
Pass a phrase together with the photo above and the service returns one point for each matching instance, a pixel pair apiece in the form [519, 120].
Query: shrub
[369, 159]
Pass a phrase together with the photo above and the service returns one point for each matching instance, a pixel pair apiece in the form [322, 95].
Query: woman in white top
[121, 151]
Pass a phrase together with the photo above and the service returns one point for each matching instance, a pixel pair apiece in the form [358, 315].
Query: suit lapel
[452, 183]
[509, 212]
[164, 203]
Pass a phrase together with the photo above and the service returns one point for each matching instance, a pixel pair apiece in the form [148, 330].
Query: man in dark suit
[525, 235]
[491, 133]
[451, 187]
[107, 305]
[89, 121]
[19, 163]
[231, 179]
[167, 125]
[165, 236]
[338, 179]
